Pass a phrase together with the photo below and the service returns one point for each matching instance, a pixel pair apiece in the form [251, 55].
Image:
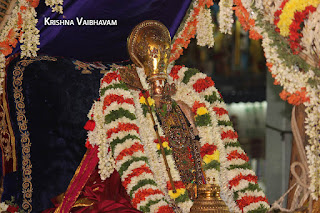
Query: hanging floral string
[56, 5]
[198, 21]
[287, 28]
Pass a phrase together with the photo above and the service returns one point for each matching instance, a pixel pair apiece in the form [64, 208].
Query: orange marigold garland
[187, 29]
[246, 22]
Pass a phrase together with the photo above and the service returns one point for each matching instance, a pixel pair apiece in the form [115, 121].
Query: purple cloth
[103, 43]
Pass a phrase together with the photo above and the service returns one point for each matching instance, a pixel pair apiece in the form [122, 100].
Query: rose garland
[141, 168]
[198, 20]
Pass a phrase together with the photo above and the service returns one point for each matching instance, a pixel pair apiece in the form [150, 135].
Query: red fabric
[109, 195]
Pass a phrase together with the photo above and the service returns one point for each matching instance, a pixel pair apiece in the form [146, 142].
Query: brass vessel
[209, 200]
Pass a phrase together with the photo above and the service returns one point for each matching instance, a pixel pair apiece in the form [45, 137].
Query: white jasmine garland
[310, 32]
[56, 5]
[30, 38]
[226, 16]
[205, 28]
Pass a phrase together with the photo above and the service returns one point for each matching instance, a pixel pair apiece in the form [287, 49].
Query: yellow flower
[142, 100]
[288, 12]
[177, 194]
[164, 144]
[151, 101]
[215, 156]
[202, 111]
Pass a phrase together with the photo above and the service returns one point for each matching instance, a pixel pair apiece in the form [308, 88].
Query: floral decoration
[21, 27]
[197, 21]
[128, 143]
[56, 5]
[10, 206]
[289, 30]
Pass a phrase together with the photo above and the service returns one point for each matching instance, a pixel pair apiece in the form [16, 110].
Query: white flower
[3, 207]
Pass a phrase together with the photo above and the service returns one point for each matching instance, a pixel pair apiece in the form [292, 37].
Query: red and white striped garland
[125, 136]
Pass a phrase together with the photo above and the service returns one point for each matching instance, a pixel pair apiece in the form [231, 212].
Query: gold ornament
[208, 200]
[149, 48]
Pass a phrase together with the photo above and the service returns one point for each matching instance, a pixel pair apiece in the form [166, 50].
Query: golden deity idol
[149, 48]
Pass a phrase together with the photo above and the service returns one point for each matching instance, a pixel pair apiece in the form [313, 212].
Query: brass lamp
[208, 200]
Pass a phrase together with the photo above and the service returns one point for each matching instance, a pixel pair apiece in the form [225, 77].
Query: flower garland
[310, 33]
[289, 9]
[226, 16]
[289, 18]
[205, 28]
[297, 89]
[21, 25]
[9, 206]
[295, 28]
[197, 20]
[117, 133]
[56, 5]
[198, 91]
[138, 161]
[246, 22]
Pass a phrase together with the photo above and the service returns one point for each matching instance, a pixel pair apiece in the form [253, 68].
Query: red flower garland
[207, 149]
[165, 209]
[203, 84]
[236, 180]
[116, 98]
[129, 151]
[235, 155]
[220, 111]
[295, 28]
[163, 139]
[136, 172]
[142, 194]
[229, 134]
[247, 200]
[174, 72]
[122, 127]
[277, 15]
[109, 77]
